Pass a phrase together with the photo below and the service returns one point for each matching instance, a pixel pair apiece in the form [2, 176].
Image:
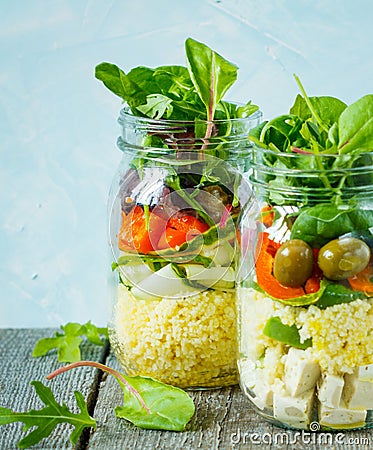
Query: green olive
[293, 263]
[343, 258]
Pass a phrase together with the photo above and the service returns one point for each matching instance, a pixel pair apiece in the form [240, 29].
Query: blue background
[58, 124]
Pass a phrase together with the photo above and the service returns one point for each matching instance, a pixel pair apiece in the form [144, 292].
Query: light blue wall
[58, 124]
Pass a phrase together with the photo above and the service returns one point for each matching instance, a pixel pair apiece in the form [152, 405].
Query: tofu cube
[301, 372]
[330, 390]
[341, 417]
[294, 411]
[365, 373]
[254, 386]
[357, 394]
[263, 395]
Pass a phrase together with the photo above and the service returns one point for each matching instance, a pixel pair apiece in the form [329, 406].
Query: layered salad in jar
[173, 216]
[306, 309]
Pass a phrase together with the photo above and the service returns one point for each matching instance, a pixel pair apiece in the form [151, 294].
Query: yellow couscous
[328, 379]
[185, 342]
[342, 335]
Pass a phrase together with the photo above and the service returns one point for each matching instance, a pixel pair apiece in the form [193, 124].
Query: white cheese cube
[263, 395]
[253, 384]
[294, 411]
[365, 373]
[330, 390]
[301, 372]
[357, 394]
[247, 369]
[341, 417]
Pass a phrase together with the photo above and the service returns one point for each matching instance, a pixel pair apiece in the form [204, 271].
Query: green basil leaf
[356, 126]
[110, 75]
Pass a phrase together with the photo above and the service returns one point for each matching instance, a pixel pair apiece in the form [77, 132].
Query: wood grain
[18, 368]
[224, 418]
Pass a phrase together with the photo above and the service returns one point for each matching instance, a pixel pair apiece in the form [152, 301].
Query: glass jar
[173, 210]
[305, 290]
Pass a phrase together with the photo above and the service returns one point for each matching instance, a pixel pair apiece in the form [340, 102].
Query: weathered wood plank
[224, 419]
[18, 368]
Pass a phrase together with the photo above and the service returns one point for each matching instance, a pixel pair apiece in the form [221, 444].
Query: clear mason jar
[173, 209]
[305, 290]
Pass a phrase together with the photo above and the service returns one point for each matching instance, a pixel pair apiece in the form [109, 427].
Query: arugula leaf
[68, 342]
[46, 419]
[157, 105]
[148, 403]
[356, 126]
[212, 75]
[173, 80]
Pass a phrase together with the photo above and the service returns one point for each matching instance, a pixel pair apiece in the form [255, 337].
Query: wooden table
[224, 418]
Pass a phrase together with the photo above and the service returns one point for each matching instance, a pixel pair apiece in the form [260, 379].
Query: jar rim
[127, 114]
[301, 153]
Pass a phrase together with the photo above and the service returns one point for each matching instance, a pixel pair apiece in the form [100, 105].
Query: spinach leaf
[321, 223]
[121, 84]
[212, 75]
[281, 132]
[168, 407]
[148, 403]
[328, 108]
[356, 126]
[335, 294]
[178, 92]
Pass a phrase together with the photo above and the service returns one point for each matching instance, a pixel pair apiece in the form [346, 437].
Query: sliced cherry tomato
[134, 235]
[180, 230]
[171, 238]
[189, 224]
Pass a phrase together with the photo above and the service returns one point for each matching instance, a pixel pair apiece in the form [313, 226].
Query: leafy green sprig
[45, 420]
[322, 136]
[178, 93]
[148, 404]
[67, 343]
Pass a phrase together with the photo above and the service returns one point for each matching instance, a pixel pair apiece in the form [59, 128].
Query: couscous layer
[185, 342]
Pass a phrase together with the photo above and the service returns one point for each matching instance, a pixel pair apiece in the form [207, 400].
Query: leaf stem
[104, 368]
[309, 104]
